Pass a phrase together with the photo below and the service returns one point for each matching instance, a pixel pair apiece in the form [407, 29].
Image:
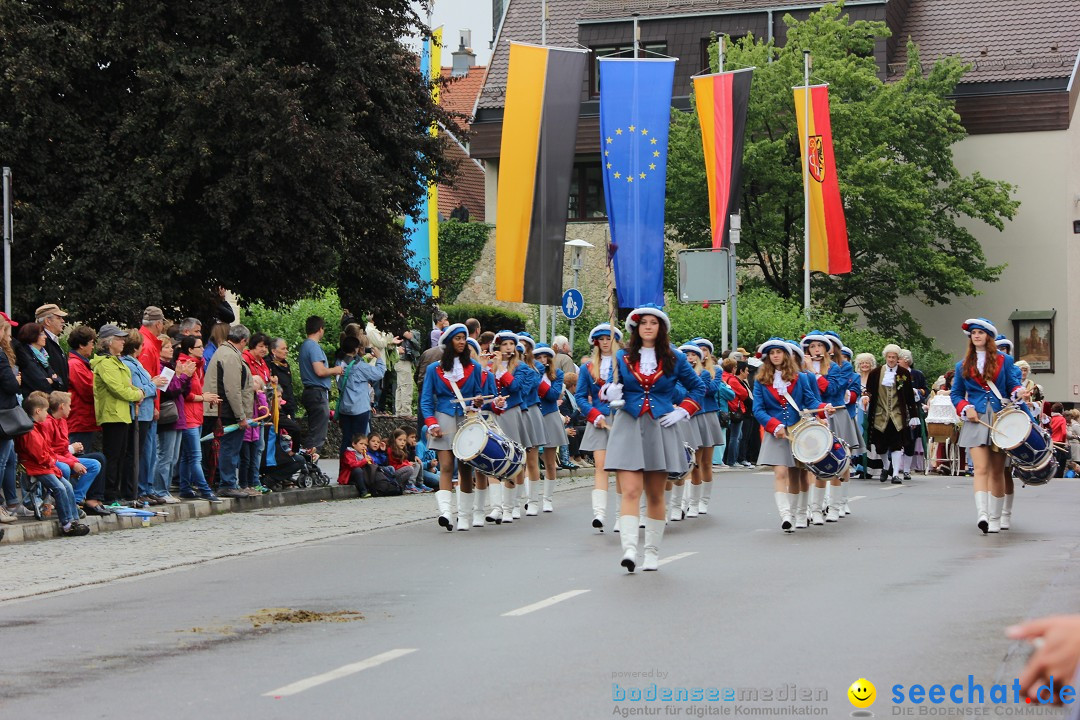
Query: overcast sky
[457, 15]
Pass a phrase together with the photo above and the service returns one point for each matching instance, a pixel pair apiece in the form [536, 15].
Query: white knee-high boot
[801, 505]
[995, 506]
[549, 490]
[694, 492]
[817, 496]
[676, 513]
[480, 498]
[628, 532]
[531, 508]
[599, 508]
[844, 509]
[464, 510]
[833, 514]
[783, 506]
[495, 494]
[706, 495]
[618, 512]
[443, 498]
[519, 499]
[509, 503]
[982, 500]
[654, 533]
[1006, 512]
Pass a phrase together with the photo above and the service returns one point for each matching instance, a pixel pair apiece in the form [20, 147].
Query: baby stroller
[287, 467]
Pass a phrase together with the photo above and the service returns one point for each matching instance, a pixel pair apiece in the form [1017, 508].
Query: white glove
[914, 422]
[611, 392]
[673, 417]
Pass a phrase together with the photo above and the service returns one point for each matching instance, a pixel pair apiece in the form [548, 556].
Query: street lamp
[578, 245]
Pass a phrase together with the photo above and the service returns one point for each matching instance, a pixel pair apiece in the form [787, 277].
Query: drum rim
[804, 427]
[460, 434]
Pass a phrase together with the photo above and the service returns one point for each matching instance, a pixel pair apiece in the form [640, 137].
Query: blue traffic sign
[572, 304]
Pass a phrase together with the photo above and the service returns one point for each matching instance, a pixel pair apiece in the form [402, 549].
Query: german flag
[829, 251]
[539, 133]
[722, 100]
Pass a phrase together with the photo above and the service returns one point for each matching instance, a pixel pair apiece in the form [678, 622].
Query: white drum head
[1010, 429]
[470, 440]
[811, 443]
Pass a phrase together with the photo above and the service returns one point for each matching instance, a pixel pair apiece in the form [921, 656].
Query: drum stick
[613, 316]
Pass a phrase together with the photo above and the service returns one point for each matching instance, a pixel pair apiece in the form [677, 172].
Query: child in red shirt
[357, 467]
[37, 458]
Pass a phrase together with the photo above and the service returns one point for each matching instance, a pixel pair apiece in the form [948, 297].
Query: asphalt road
[537, 620]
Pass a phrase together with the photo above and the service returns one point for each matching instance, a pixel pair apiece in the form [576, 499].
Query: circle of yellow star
[642, 176]
[632, 128]
[652, 166]
[618, 131]
[617, 175]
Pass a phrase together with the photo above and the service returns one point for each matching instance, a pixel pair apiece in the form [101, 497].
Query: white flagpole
[806, 180]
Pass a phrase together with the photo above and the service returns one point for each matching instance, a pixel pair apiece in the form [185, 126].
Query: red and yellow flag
[829, 251]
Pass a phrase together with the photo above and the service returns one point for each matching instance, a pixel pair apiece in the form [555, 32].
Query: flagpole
[806, 180]
[543, 167]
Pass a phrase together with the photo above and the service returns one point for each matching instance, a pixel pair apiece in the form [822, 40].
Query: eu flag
[635, 110]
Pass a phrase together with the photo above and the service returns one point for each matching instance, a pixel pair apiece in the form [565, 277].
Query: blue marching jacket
[656, 393]
[530, 395]
[712, 384]
[587, 395]
[773, 410]
[438, 395]
[834, 390]
[549, 391]
[515, 386]
[972, 390]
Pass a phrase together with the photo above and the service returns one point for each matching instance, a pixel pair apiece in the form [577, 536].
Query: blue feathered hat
[544, 349]
[773, 343]
[504, 335]
[604, 330]
[796, 348]
[704, 342]
[846, 352]
[450, 332]
[471, 342]
[816, 335]
[647, 309]
[524, 337]
[690, 347]
[835, 338]
[979, 324]
[1004, 343]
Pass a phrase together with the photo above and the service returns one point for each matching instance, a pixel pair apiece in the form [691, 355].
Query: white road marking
[857, 497]
[544, 603]
[673, 558]
[343, 671]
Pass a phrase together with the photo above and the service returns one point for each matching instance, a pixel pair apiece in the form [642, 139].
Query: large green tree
[905, 202]
[163, 148]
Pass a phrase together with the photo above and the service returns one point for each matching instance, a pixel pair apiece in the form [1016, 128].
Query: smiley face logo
[862, 693]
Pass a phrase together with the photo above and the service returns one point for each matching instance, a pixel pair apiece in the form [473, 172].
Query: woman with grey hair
[864, 363]
[113, 398]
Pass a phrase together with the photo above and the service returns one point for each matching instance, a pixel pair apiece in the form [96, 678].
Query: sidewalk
[36, 568]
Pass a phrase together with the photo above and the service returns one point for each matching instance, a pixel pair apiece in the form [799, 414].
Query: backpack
[385, 483]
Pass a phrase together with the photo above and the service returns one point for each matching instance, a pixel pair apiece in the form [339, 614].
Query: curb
[25, 531]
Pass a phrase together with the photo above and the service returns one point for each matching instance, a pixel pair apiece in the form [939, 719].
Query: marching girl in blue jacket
[443, 414]
[482, 487]
[706, 429]
[644, 446]
[779, 383]
[514, 379]
[984, 367]
[530, 408]
[840, 376]
[1005, 346]
[549, 392]
[809, 506]
[718, 434]
[591, 378]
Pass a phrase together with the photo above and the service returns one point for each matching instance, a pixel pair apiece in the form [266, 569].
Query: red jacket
[741, 393]
[257, 366]
[194, 410]
[55, 431]
[349, 462]
[81, 387]
[34, 453]
[1058, 428]
[150, 358]
[397, 463]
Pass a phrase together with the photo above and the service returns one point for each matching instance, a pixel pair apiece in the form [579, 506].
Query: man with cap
[51, 317]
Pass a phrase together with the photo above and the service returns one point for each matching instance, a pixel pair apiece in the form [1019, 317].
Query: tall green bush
[490, 317]
[460, 246]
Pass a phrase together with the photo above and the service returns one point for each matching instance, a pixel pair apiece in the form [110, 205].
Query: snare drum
[691, 461]
[815, 446]
[1038, 476]
[483, 448]
[1025, 442]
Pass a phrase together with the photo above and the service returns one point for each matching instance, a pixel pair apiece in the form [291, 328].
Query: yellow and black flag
[539, 133]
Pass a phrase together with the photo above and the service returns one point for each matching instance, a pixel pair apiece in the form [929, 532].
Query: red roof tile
[468, 186]
[459, 95]
[1003, 39]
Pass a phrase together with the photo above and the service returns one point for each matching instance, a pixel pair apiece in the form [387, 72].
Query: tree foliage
[163, 148]
[907, 206]
[460, 247]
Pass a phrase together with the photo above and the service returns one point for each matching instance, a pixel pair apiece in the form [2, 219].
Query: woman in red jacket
[81, 423]
[193, 483]
[1059, 434]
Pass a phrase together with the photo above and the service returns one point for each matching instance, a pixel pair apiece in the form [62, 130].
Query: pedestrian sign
[572, 304]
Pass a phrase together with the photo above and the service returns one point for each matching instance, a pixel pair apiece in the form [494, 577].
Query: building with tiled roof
[464, 82]
[1018, 104]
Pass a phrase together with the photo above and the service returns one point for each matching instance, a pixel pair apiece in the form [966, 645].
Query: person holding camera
[354, 389]
[404, 367]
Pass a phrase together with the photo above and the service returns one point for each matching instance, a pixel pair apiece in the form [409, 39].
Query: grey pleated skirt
[844, 428]
[554, 430]
[536, 422]
[688, 430]
[641, 444]
[775, 451]
[709, 430]
[972, 434]
[449, 425]
[516, 426]
[595, 438]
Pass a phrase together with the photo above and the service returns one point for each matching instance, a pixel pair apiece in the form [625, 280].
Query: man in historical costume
[889, 400]
[921, 391]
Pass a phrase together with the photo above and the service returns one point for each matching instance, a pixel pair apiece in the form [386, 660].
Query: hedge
[490, 317]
